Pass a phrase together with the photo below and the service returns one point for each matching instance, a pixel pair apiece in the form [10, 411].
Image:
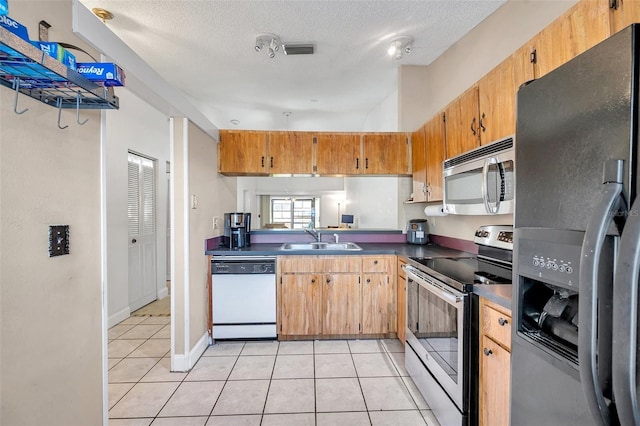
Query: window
[295, 213]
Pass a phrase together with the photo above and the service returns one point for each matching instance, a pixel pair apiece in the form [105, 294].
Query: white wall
[194, 156]
[384, 117]
[140, 128]
[376, 201]
[50, 308]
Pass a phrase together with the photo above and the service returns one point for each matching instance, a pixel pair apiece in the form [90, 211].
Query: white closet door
[141, 214]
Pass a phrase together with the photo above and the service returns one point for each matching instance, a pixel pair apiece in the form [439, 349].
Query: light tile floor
[322, 382]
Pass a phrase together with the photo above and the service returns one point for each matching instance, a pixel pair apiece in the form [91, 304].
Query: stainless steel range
[441, 354]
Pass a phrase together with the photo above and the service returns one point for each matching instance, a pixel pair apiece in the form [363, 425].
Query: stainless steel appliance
[481, 181]
[574, 344]
[417, 231]
[441, 354]
[244, 297]
[237, 230]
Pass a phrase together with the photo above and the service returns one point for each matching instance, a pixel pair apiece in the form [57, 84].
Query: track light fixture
[271, 41]
[400, 46]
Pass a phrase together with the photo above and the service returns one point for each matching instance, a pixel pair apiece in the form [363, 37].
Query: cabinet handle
[503, 321]
[472, 124]
[487, 351]
[328, 280]
[482, 123]
[366, 163]
[375, 262]
[368, 280]
[271, 164]
[262, 161]
[313, 281]
[357, 163]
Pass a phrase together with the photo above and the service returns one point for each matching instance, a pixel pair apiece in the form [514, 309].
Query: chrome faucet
[311, 229]
[337, 238]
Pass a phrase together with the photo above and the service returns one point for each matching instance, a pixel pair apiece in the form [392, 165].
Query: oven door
[435, 330]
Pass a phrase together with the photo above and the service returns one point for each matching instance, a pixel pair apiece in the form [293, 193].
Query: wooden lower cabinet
[302, 295]
[341, 304]
[337, 295]
[495, 359]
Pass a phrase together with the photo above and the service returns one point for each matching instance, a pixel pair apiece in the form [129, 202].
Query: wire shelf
[25, 68]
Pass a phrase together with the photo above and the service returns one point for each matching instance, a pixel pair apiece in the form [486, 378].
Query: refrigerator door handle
[594, 239]
[625, 321]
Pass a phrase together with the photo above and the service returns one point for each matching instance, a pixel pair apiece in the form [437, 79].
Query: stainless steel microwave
[481, 181]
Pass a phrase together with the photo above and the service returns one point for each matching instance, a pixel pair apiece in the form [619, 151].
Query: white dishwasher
[244, 297]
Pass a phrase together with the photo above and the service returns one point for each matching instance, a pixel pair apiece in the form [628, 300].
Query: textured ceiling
[206, 49]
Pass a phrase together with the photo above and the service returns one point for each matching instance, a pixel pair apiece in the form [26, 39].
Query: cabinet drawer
[377, 264]
[321, 264]
[496, 325]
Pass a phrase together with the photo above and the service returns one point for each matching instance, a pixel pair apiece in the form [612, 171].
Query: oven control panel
[500, 236]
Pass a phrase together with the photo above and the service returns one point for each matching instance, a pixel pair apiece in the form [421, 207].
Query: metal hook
[16, 86]
[78, 100]
[59, 105]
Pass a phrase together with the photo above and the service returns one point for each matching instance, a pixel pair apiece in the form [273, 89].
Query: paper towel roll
[435, 210]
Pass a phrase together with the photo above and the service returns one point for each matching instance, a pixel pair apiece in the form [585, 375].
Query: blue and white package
[14, 26]
[103, 73]
[4, 7]
[58, 52]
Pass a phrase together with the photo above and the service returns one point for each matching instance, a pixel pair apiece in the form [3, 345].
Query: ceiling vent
[298, 49]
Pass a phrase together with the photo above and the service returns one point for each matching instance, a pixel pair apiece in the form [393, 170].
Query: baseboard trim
[119, 316]
[163, 293]
[184, 363]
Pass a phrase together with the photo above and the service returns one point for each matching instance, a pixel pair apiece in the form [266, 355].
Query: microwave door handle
[594, 238]
[625, 322]
[485, 186]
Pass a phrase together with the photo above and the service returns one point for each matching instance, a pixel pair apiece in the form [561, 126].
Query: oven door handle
[448, 295]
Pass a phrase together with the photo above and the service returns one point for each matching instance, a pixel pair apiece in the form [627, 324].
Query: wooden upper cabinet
[462, 123]
[291, 152]
[242, 153]
[583, 26]
[624, 14]
[419, 165]
[386, 154]
[338, 154]
[523, 69]
[496, 98]
[435, 151]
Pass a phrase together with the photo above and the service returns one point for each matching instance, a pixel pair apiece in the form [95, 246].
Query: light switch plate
[58, 240]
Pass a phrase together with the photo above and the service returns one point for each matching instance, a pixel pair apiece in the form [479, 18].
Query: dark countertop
[497, 293]
[400, 249]
[500, 294]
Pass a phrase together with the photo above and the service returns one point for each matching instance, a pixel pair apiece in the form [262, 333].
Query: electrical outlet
[216, 223]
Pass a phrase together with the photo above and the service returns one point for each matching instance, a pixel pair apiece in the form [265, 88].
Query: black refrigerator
[577, 241]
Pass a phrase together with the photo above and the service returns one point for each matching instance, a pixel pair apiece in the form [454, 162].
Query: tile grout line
[266, 398]
[225, 381]
[359, 384]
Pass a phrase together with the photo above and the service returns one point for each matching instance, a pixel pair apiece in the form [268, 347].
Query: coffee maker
[237, 230]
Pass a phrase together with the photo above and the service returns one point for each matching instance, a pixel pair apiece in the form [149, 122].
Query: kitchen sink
[320, 246]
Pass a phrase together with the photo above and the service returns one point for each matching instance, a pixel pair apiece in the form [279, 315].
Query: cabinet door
[523, 69]
[379, 304]
[496, 97]
[401, 302]
[419, 165]
[386, 154]
[494, 383]
[435, 149]
[342, 304]
[626, 13]
[338, 154]
[300, 304]
[581, 27]
[461, 123]
[242, 153]
[291, 152]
